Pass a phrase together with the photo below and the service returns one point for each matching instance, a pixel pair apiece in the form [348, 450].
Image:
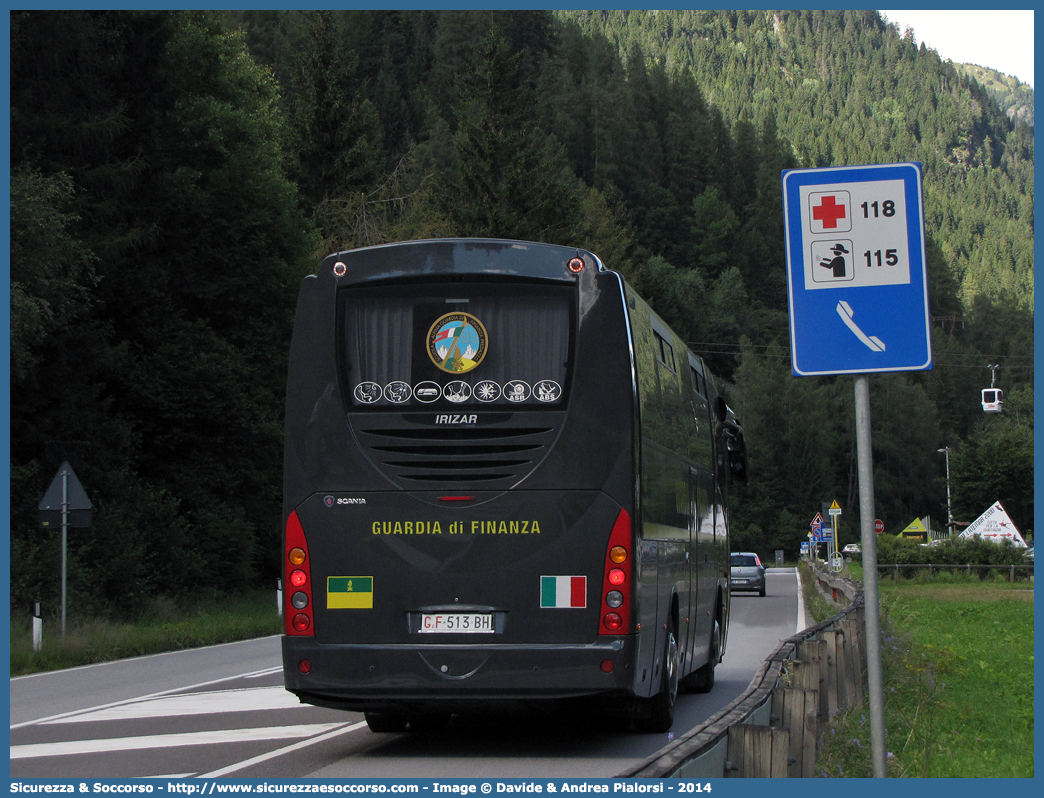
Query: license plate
[739, 581]
[456, 623]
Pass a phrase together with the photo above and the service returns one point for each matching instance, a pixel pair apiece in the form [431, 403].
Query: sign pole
[872, 607]
[65, 536]
[65, 502]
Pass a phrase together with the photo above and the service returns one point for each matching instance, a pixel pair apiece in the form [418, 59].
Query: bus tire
[703, 678]
[659, 710]
[385, 722]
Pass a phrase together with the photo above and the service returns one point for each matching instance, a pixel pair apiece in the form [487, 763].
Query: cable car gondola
[992, 400]
[992, 397]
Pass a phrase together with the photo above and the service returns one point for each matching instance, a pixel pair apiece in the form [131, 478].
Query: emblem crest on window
[457, 342]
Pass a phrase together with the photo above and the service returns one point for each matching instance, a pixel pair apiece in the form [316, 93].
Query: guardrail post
[813, 653]
[758, 751]
[37, 627]
[828, 705]
[798, 711]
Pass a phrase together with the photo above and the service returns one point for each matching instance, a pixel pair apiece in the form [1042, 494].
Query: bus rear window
[474, 345]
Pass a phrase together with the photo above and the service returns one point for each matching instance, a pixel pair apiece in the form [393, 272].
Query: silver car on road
[747, 573]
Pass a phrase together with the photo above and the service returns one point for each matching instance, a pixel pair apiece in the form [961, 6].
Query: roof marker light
[575, 265]
[339, 269]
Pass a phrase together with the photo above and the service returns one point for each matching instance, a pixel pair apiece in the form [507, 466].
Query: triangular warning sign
[65, 487]
[996, 526]
[915, 529]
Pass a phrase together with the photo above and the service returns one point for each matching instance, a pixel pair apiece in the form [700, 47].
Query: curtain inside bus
[466, 345]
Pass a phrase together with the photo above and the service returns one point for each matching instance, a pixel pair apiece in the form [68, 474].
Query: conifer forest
[175, 174]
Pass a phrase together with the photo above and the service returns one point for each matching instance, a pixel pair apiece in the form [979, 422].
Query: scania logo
[451, 418]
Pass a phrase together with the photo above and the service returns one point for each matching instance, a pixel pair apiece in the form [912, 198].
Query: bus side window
[698, 383]
[664, 351]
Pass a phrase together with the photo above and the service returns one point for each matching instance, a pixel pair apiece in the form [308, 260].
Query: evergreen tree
[514, 182]
[164, 388]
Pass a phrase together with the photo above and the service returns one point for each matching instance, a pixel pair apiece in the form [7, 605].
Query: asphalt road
[222, 711]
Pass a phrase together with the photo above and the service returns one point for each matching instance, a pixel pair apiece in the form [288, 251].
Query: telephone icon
[844, 310]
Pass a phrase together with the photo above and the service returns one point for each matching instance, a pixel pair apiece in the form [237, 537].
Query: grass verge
[957, 660]
[165, 627]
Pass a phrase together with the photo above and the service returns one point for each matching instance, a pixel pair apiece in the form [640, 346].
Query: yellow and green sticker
[349, 592]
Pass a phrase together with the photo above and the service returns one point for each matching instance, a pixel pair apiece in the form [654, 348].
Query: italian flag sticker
[349, 592]
[563, 591]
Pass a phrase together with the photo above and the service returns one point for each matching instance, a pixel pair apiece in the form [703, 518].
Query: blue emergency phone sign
[856, 270]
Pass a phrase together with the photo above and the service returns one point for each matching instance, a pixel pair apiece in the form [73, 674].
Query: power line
[719, 348]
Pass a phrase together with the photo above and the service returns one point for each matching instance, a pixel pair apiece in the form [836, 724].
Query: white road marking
[168, 776]
[139, 698]
[205, 703]
[280, 752]
[802, 622]
[170, 740]
[265, 672]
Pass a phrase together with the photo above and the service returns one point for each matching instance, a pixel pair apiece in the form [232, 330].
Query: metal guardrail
[770, 730]
[966, 567]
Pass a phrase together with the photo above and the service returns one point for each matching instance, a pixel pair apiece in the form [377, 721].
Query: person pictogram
[838, 264]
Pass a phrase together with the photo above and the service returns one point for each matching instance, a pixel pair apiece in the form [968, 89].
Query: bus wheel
[385, 722]
[703, 679]
[659, 710]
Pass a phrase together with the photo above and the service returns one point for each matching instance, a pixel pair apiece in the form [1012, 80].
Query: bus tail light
[298, 612]
[616, 584]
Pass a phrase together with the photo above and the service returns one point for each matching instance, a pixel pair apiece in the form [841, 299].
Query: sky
[1001, 40]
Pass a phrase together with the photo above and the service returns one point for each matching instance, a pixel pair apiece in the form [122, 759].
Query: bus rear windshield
[467, 345]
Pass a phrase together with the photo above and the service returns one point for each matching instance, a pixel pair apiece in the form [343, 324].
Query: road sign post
[66, 503]
[857, 288]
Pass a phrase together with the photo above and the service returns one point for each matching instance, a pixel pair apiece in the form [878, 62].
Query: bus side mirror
[737, 449]
[721, 410]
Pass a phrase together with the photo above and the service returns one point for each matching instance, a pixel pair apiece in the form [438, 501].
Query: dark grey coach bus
[505, 486]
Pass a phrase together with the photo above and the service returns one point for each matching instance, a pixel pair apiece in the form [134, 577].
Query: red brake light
[616, 587]
[299, 619]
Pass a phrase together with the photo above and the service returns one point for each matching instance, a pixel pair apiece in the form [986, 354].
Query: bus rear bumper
[456, 678]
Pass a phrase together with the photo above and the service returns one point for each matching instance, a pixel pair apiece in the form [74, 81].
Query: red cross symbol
[828, 212]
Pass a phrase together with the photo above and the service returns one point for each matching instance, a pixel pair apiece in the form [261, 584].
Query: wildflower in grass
[858, 744]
